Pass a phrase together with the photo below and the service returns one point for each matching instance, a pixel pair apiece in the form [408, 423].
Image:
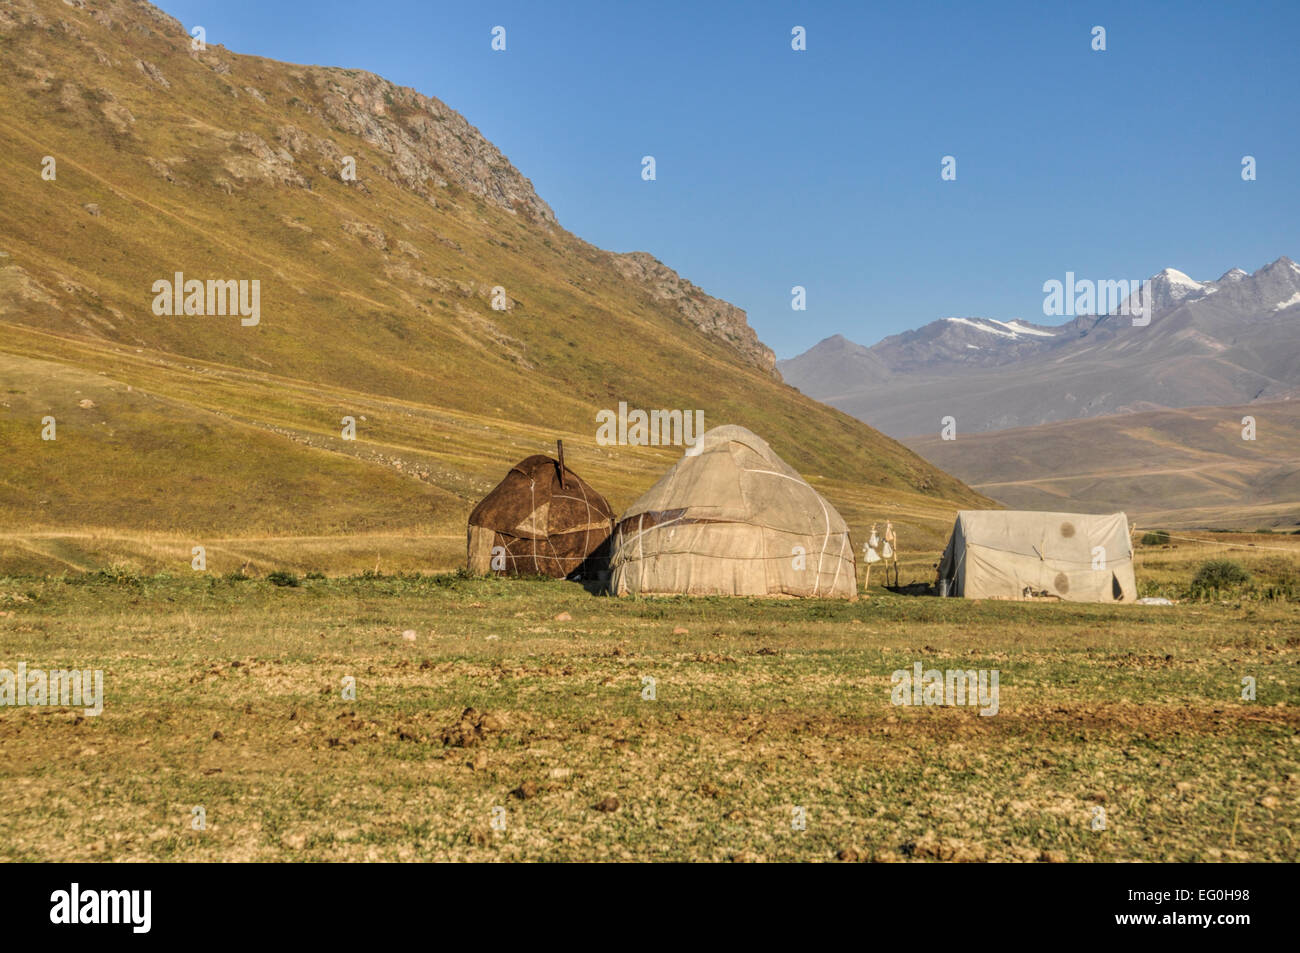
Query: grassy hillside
[1170, 467]
[375, 304]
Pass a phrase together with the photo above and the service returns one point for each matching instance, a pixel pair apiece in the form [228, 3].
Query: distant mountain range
[1226, 342]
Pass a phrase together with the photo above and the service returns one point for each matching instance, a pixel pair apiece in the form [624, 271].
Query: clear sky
[821, 168]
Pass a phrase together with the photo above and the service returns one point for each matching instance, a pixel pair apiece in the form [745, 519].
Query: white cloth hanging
[872, 556]
[887, 550]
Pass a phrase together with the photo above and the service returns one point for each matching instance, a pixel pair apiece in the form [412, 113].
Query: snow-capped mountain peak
[1016, 327]
[979, 325]
[1234, 337]
[1177, 279]
[1007, 329]
[1166, 290]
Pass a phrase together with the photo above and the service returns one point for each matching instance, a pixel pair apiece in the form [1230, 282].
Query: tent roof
[1053, 537]
[530, 503]
[731, 475]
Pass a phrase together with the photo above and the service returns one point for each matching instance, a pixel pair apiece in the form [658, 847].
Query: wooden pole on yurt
[559, 447]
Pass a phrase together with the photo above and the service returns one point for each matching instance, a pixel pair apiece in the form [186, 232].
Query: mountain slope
[1226, 342]
[376, 302]
[1171, 468]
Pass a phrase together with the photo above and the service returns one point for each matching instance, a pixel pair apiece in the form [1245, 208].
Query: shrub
[1220, 574]
[116, 574]
[281, 578]
[1157, 537]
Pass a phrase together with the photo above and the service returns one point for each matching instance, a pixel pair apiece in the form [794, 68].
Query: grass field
[227, 694]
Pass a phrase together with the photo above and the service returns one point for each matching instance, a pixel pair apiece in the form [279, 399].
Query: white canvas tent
[733, 518]
[1009, 554]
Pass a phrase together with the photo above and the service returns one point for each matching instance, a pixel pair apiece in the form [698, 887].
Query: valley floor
[525, 704]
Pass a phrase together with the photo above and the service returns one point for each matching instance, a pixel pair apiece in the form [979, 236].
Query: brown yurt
[542, 519]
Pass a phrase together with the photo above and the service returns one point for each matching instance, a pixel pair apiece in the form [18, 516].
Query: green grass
[1233, 568]
[227, 694]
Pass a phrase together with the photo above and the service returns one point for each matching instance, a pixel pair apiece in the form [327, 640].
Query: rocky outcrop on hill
[714, 317]
[428, 143]
[431, 145]
[300, 123]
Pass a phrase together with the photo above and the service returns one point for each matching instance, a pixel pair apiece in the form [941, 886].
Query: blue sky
[822, 168]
